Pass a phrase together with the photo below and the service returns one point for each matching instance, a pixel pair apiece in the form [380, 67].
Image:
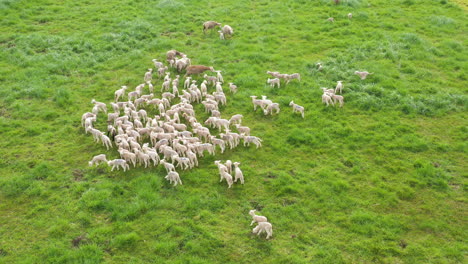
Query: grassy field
[382, 180]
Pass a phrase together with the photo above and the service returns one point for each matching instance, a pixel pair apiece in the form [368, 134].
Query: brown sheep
[171, 55]
[209, 25]
[197, 69]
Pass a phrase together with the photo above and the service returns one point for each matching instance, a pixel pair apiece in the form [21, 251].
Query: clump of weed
[126, 241]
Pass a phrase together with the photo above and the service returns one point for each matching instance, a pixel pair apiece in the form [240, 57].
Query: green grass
[382, 180]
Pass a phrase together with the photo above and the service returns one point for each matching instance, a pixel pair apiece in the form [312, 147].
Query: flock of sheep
[141, 138]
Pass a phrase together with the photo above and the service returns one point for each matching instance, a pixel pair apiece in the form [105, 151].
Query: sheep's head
[90, 163]
[356, 72]
[252, 212]
[291, 103]
[217, 162]
[236, 164]
[212, 69]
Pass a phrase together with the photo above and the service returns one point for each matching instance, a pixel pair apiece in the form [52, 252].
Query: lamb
[331, 19]
[98, 159]
[210, 79]
[236, 119]
[119, 93]
[269, 109]
[362, 75]
[256, 102]
[257, 218]
[187, 82]
[228, 166]
[350, 15]
[290, 77]
[228, 177]
[297, 108]
[128, 156]
[338, 98]
[273, 82]
[263, 227]
[227, 30]
[162, 71]
[319, 66]
[219, 142]
[86, 116]
[232, 88]
[252, 139]
[219, 77]
[171, 55]
[182, 63]
[148, 76]
[182, 162]
[221, 35]
[222, 168]
[197, 69]
[167, 76]
[100, 106]
[165, 85]
[210, 25]
[157, 64]
[326, 98]
[339, 87]
[168, 166]
[219, 88]
[243, 129]
[203, 88]
[106, 141]
[118, 163]
[238, 175]
[173, 177]
[273, 74]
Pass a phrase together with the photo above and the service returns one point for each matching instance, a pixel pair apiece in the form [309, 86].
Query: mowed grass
[382, 180]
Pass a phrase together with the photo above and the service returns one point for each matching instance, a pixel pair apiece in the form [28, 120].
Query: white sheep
[326, 99]
[227, 30]
[362, 75]
[350, 15]
[252, 139]
[233, 88]
[99, 105]
[263, 227]
[148, 75]
[290, 77]
[236, 119]
[221, 35]
[165, 85]
[167, 76]
[256, 102]
[157, 64]
[219, 77]
[168, 166]
[118, 163]
[173, 177]
[338, 98]
[106, 141]
[228, 178]
[331, 19]
[319, 66]
[119, 93]
[273, 82]
[182, 162]
[238, 175]
[269, 109]
[339, 87]
[162, 71]
[297, 108]
[243, 129]
[228, 165]
[257, 218]
[97, 160]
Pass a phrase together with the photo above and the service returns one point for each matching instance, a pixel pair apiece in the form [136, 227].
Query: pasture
[381, 180]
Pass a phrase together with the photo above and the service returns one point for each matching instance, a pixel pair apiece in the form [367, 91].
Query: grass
[382, 180]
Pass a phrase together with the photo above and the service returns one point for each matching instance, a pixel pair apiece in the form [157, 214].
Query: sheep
[269, 109]
[319, 66]
[210, 79]
[106, 141]
[88, 123]
[219, 77]
[228, 166]
[219, 88]
[297, 108]
[182, 63]
[338, 98]
[197, 69]
[221, 35]
[331, 19]
[216, 141]
[118, 163]
[236, 119]
[243, 129]
[157, 64]
[99, 105]
[273, 74]
[167, 76]
[165, 85]
[257, 218]
[128, 156]
[263, 227]
[228, 177]
[273, 82]
[238, 175]
[98, 159]
[162, 71]
[168, 166]
[290, 77]
[182, 162]
[173, 177]
[252, 139]
[227, 30]
[210, 25]
[171, 55]
[326, 99]
[187, 82]
[119, 93]
[339, 87]
[350, 15]
[233, 88]
[362, 75]
[148, 75]
[256, 102]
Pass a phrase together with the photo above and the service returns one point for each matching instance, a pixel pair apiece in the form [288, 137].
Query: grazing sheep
[173, 177]
[148, 75]
[326, 99]
[197, 69]
[227, 30]
[256, 102]
[233, 88]
[118, 163]
[263, 227]
[338, 98]
[243, 129]
[98, 159]
[273, 82]
[257, 218]
[290, 77]
[339, 87]
[157, 64]
[236, 119]
[269, 109]
[362, 75]
[210, 25]
[297, 108]
[168, 166]
[238, 175]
